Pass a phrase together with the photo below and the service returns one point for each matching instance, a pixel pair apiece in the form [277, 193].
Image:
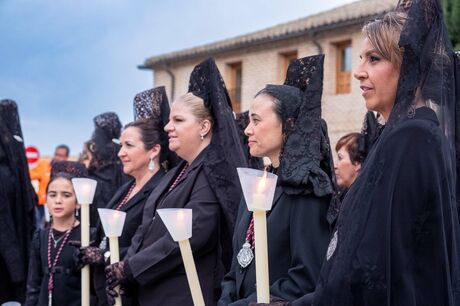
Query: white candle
[113, 221]
[84, 191]
[178, 221]
[260, 236]
[190, 271]
[85, 274]
[115, 257]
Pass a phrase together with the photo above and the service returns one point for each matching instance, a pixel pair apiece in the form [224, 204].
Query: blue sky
[64, 62]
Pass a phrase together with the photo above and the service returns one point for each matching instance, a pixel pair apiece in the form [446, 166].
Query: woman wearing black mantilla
[397, 235]
[104, 166]
[145, 157]
[286, 126]
[203, 133]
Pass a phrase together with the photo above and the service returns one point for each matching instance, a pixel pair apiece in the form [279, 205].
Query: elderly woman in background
[349, 159]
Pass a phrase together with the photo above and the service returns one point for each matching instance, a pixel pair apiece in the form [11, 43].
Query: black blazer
[154, 258]
[133, 208]
[298, 236]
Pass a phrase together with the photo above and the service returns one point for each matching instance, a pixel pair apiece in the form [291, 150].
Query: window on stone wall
[234, 85]
[343, 80]
[285, 59]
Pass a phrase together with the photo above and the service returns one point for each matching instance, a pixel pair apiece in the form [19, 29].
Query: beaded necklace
[126, 198]
[56, 258]
[181, 174]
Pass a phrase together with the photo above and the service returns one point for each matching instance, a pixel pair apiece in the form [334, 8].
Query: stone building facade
[250, 61]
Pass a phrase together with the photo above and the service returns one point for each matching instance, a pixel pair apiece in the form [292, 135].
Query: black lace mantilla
[107, 127]
[152, 103]
[9, 114]
[20, 199]
[72, 168]
[369, 133]
[225, 152]
[306, 161]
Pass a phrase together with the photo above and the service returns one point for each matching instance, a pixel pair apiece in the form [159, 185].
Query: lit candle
[84, 191]
[259, 198]
[112, 221]
[258, 191]
[179, 224]
[260, 236]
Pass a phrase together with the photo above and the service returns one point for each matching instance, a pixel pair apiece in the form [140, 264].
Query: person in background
[352, 150]
[61, 153]
[349, 160]
[85, 155]
[17, 202]
[105, 167]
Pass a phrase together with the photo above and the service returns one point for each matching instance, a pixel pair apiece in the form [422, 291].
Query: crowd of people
[377, 226]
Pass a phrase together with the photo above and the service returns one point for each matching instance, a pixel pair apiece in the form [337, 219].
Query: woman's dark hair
[351, 143]
[277, 105]
[151, 134]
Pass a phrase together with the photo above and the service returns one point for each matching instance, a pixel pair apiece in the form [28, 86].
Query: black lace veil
[306, 164]
[225, 152]
[153, 104]
[107, 127]
[19, 198]
[387, 221]
[429, 70]
[370, 131]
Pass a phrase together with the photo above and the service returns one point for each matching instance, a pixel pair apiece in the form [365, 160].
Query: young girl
[53, 277]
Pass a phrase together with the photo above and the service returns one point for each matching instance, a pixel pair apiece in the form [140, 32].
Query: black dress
[134, 209]
[67, 279]
[298, 234]
[408, 253]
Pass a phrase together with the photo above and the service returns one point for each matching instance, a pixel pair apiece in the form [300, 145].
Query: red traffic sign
[32, 154]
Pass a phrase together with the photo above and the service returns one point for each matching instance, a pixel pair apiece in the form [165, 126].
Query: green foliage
[452, 18]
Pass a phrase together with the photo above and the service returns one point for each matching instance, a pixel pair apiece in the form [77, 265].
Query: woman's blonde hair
[196, 104]
[384, 33]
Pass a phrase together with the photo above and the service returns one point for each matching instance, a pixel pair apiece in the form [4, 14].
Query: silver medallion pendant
[245, 255]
